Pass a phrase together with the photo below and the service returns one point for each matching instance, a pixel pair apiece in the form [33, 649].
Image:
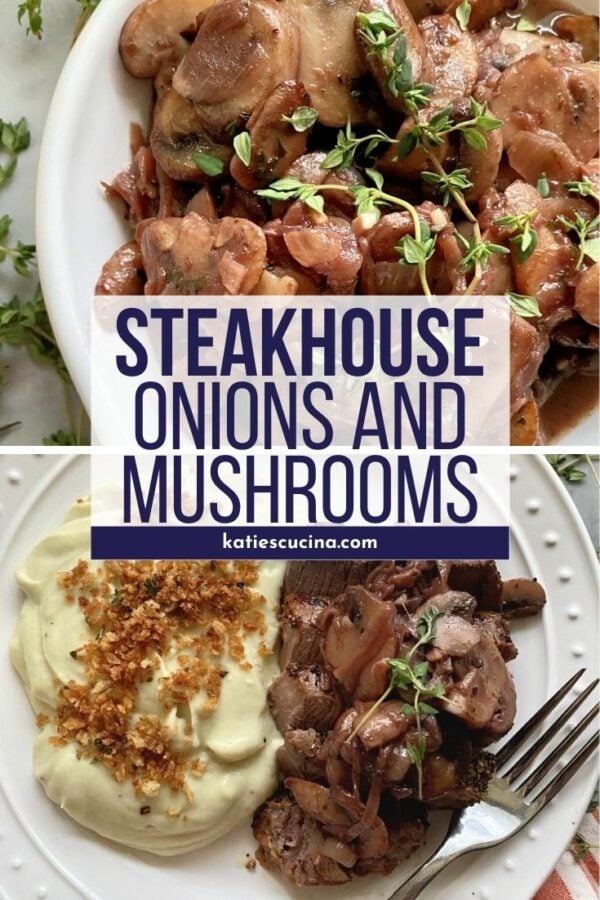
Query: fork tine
[523, 733]
[534, 779]
[519, 767]
[563, 777]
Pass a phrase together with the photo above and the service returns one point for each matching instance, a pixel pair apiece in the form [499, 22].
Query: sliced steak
[478, 577]
[292, 844]
[324, 579]
[300, 635]
[299, 755]
[304, 698]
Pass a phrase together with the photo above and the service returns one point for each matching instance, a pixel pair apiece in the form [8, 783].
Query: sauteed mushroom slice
[483, 10]
[330, 66]
[532, 153]
[177, 137]
[455, 62]
[522, 597]
[243, 50]
[193, 256]
[123, 273]
[420, 63]
[275, 142]
[534, 94]
[587, 295]
[156, 32]
[581, 29]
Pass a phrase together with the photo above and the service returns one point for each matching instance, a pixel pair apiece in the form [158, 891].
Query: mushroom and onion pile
[393, 680]
[368, 146]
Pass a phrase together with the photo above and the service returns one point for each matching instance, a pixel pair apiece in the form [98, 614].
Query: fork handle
[419, 881]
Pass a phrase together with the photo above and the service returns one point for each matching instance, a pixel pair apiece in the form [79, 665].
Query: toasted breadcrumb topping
[141, 610]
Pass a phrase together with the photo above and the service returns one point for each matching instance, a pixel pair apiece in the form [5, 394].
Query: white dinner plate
[44, 853]
[86, 141]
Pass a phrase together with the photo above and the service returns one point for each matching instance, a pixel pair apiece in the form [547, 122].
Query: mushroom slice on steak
[357, 636]
[482, 693]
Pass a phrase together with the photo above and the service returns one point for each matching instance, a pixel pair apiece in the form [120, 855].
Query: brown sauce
[574, 399]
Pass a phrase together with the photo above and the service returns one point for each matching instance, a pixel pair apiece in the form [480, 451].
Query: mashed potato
[213, 743]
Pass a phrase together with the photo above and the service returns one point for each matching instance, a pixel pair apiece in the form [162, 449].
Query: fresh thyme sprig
[565, 465]
[368, 200]
[29, 12]
[404, 676]
[429, 134]
[26, 324]
[385, 39]
[583, 188]
[22, 256]
[580, 846]
[583, 228]
[448, 183]
[521, 231]
[14, 139]
[347, 144]
[478, 252]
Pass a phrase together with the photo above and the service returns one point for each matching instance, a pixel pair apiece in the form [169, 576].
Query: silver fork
[507, 809]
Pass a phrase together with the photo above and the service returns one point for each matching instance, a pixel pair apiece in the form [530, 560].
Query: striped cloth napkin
[576, 874]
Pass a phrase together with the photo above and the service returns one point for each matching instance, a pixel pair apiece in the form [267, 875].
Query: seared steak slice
[292, 844]
[299, 754]
[304, 698]
[478, 577]
[324, 579]
[300, 636]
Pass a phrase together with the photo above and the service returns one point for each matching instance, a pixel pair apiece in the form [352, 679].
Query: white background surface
[28, 72]
[44, 854]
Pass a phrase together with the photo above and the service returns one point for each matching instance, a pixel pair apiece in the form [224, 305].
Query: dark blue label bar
[319, 542]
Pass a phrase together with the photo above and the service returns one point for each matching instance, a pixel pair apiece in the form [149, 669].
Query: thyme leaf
[242, 144]
[302, 118]
[524, 306]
